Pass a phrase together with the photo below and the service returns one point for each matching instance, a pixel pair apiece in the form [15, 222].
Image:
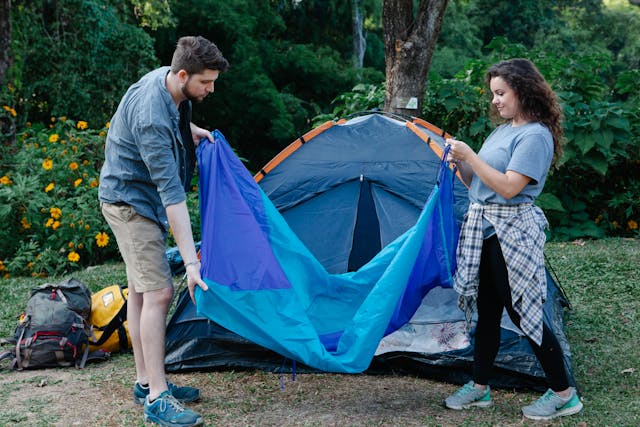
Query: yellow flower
[102, 239]
[63, 118]
[93, 183]
[5, 180]
[73, 256]
[80, 245]
[2, 267]
[49, 187]
[49, 222]
[56, 213]
[107, 125]
[10, 110]
[73, 166]
[54, 137]
[56, 225]
[632, 225]
[82, 125]
[47, 164]
[71, 245]
[86, 227]
[614, 224]
[25, 223]
[77, 182]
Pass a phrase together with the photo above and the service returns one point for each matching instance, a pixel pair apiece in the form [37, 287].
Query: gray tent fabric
[317, 188]
[347, 189]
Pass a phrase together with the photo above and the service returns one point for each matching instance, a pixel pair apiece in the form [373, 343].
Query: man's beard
[187, 93]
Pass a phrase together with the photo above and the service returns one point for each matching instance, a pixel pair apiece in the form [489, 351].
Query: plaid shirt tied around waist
[520, 231]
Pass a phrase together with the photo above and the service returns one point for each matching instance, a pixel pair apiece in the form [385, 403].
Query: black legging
[494, 294]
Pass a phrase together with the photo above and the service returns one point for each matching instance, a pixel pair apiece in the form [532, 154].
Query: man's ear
[182, 76]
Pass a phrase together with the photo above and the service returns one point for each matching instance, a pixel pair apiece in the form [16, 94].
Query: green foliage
[153, 14]
[363, 97]
[459, 41]
[49, 209]
[74, 57]
[283, 72]
[49, 203]
[594, 190]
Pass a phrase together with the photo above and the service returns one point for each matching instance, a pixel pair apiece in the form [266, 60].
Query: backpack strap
[81, 362]
[114, 324]
[18, 360]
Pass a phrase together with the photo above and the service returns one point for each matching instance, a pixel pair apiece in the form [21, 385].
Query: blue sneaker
[182, 394]
[468, 396]
[167, 411]
[550, 406]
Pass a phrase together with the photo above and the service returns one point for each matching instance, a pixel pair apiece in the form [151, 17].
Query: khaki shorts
[142, 245]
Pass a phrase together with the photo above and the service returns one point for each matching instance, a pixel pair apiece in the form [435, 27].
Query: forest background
[64, 65]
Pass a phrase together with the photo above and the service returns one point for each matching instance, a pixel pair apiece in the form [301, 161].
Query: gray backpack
[54, 329]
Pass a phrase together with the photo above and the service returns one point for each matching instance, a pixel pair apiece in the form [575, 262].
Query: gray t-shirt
[526, 149]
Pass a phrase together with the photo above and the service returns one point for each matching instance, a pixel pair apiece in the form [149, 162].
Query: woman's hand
[458, 150]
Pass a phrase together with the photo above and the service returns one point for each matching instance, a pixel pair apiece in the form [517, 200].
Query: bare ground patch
[100, 395]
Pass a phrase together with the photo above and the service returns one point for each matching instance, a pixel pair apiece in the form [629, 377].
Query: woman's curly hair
[538, 101]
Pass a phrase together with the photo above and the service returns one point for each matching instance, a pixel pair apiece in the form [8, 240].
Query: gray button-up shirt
[145, 152]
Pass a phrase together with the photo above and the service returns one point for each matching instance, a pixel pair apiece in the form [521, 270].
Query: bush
[49, 200]
[49, 209]
[593, 192]
[74, 58]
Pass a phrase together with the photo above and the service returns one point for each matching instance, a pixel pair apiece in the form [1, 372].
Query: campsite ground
[601, 278]
[100, 395]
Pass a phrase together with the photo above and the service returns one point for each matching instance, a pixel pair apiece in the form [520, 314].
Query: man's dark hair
[195, 54]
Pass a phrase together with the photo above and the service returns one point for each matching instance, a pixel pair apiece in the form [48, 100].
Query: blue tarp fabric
[266, 286]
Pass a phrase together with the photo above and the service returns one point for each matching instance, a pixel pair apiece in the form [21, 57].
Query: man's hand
[193, 279]
[197, 133]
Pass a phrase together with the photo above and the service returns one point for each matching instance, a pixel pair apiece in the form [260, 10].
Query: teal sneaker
[183, 394]
[550, 406]
[167, 411]
[468, 396]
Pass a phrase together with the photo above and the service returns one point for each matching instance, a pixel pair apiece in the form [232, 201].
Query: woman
[500, 251]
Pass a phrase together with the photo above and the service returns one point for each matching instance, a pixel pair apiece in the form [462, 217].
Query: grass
[601, 279]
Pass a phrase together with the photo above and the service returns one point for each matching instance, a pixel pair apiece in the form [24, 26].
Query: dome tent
[347, 189]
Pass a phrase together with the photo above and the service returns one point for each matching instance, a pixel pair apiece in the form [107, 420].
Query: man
[149, 161]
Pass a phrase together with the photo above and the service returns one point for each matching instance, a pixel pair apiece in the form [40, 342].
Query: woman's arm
[507, 185]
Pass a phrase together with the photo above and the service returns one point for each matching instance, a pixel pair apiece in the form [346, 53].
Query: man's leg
[142, 245]
[152, 337]
[134, 308]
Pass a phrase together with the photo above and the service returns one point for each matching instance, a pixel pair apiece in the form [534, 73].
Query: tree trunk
[5, 39]
[359, 42]
[409, 43]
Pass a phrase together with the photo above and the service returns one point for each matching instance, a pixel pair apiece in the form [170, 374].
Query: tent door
[366, 234]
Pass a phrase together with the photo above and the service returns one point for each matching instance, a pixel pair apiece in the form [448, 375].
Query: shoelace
[171, 401]
[466, 389]
[545, 397]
